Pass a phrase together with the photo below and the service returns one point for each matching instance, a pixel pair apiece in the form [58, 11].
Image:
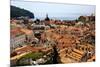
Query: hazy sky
[54, 9]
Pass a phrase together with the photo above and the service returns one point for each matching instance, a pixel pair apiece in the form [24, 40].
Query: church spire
[47, 18]
[46, 15]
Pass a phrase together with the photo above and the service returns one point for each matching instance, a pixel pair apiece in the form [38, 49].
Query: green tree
[82, 18]
[18, 12]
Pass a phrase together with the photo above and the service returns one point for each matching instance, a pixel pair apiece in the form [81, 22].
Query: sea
[58, 18]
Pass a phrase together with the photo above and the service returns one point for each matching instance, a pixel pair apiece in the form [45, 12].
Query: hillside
[17, 12]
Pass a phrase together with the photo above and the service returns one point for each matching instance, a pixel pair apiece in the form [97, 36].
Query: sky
[40, 9]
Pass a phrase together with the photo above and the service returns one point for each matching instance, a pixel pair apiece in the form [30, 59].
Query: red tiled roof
[27, 49]
[15, 32]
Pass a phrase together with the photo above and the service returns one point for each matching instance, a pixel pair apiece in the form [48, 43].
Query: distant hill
[18, 12]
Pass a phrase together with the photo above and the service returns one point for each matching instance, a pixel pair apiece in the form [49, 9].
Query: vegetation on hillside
[18, 12]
